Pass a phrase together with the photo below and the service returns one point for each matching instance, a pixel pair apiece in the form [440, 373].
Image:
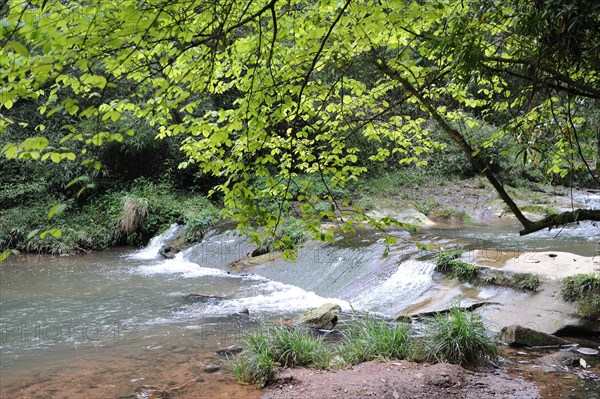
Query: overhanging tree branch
[477, 162]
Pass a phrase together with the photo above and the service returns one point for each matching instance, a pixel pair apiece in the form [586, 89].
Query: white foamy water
[411, 279]
[182, 267]
[271, 298]
[155, 244]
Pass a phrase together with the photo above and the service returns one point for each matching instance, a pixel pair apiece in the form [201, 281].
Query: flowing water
[128, 308]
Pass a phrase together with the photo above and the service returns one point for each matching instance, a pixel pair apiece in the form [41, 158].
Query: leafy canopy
[274, 91]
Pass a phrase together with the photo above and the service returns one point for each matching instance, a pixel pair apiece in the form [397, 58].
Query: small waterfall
[412, 279]
[151, 251]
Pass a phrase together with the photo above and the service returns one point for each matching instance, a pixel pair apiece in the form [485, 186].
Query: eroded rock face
[517, 335]
[325, 316]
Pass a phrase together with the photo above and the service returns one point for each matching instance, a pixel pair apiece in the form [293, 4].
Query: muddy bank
[178, 375]
[399, 379]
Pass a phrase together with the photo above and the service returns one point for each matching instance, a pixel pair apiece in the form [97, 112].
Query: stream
[125, 310]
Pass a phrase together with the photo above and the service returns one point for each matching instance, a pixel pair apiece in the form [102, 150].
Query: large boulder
[325, 316]
[517, 335]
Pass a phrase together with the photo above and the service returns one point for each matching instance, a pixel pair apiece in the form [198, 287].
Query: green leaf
[32, 234]
[4, 255]
[56, 210]
[19, 48]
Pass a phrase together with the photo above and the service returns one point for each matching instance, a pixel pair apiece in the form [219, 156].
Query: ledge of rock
[517, 335]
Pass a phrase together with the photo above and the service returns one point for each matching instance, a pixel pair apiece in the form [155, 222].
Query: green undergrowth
[372, 339]
[289, 234]
[448, 263]
[585, 290]
[130, 216]
[459, 337]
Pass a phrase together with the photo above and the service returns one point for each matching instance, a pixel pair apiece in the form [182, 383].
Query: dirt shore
[397, 380]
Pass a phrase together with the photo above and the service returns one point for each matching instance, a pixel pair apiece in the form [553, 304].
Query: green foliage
[463, 271]
[459, 337]
[447, 262]
[522, 281]
[288, 235]
[428, 205]
[539, 209]
[197, 225]
[295, 347]
[373, 339]
[269, 110]
[268, 349]
[123, 216]
[526, 282]
[579, 286]
[448, 213]
[495, 279]
[391, 183]
[255, 364]
[585, 289]
[444, 258]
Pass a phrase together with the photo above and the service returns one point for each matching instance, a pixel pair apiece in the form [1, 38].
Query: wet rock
[517, 335]
[229, 351]
[560, 359]
[212, 368]
[587, 351]
[409, 318]
[149, 392]
[324, 316]
[174, 245]
[200, 298]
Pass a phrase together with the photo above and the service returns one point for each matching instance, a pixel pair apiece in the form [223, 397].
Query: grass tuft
[267, 350]
[460, 338]
[447, 262]
[375, 339]
[577, 287]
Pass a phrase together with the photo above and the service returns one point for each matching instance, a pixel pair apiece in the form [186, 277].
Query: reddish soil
[181, 376]
[399, 380]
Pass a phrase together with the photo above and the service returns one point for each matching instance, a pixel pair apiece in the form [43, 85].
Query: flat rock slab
[553, 265]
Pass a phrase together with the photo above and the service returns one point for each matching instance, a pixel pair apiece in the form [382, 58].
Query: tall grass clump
[255, 364]
[577, 287]
[135, 211]
[585, 289]
[443, 259]
[447, 262]
[526, 282]
[295, 347]
[458, 337]
[267, 350]
[374, 339]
